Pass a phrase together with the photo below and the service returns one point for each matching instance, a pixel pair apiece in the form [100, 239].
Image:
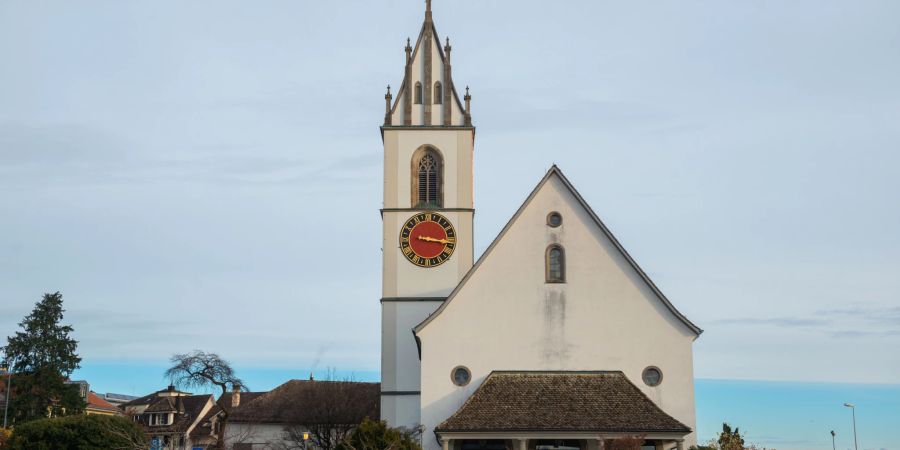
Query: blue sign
[198, 448]
[154, 444]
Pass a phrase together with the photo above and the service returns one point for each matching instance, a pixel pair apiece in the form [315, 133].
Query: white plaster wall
[401, 373]
[401, 411]
[507, 318]
[455, 146]
[399, 356]
[258, 434]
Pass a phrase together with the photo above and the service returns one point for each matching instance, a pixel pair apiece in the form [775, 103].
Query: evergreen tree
[43, 357]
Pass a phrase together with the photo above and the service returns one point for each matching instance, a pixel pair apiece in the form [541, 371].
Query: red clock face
[427, 239]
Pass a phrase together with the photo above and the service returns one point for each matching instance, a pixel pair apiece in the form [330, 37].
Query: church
[554, 338]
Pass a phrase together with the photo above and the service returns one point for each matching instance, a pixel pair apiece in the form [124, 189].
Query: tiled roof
[311, 402]
[189, 410]
[204, 429]
[560, 401]
[98, 403]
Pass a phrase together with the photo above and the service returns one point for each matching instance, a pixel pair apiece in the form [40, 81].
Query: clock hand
[431, 239]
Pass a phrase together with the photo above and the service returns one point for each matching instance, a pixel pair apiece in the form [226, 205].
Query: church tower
[427, 215]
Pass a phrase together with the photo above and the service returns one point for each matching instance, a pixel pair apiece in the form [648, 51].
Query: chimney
[235, 395]
[311, 377]
[171, 388]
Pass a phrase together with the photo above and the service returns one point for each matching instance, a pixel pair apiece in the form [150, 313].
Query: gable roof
[586, 402]
[95, 402]
[311, 402]
[556, 172]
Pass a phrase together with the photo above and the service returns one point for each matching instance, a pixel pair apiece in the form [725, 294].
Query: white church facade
[554, 338]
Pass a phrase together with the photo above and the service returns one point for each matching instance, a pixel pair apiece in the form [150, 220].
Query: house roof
[150, 398]
[310, 402]
[560, 402]
[96, 402]
[556, 172]
[190, 409]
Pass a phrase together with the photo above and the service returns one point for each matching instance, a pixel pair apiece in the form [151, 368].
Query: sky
[207, 174]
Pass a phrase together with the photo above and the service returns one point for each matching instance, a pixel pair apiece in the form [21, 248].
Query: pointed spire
[428, 18]
[408, 50]
[468, 99]
[387, 107]
[447, 49]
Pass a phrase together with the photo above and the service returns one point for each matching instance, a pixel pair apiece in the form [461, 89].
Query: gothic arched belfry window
[438, 93]
[419, 93]
[427, 178]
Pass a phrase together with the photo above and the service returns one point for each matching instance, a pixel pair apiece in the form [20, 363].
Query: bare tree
[206, 370]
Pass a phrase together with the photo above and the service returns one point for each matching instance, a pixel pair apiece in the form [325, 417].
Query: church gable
[561, 277]
[427, 96]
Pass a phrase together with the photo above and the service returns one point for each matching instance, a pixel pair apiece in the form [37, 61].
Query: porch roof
[560, 402]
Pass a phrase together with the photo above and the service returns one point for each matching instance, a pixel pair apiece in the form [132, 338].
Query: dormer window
[159, 419]
[419, 93]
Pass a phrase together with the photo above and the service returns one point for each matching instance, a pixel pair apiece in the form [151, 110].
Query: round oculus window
[554, 219]
[461, 376]
[652, 376]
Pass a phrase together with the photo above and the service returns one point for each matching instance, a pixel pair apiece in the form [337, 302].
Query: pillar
[523, 444]
[680, 445]
[445, 444]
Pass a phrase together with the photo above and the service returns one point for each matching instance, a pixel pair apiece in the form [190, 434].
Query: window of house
[556, 264]
[419, 93]
[158, 419]
[427, 178]
[438, 93]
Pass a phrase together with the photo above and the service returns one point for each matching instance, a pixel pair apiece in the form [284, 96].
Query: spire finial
[427, 5]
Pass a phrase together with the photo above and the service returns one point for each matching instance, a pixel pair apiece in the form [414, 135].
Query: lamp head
[849, 405]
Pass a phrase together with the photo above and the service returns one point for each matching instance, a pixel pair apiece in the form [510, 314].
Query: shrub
[371, 434]
[4, 437]
[78, 433]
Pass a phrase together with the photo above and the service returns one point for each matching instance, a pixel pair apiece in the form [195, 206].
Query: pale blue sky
[207, 174]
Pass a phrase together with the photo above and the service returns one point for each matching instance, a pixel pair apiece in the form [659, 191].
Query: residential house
[277, 419]
[169, 417]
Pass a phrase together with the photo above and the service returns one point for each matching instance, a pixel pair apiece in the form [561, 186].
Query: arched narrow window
[556, 264]
[438, 93]
[418, 93]
[427, 178]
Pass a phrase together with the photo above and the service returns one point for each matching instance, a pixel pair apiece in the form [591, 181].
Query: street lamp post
[833, 446]
[853, 408]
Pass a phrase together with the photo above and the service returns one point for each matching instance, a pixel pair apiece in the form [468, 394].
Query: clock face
[427, 239]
